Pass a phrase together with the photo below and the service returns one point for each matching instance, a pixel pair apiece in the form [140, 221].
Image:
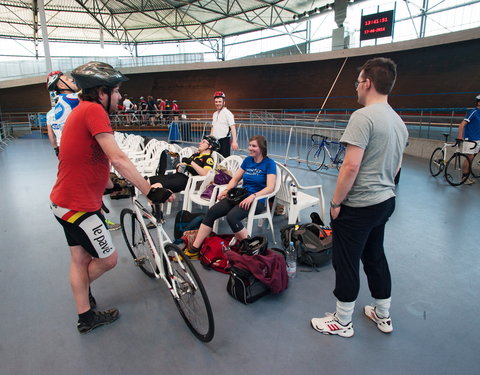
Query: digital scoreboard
[377, 25]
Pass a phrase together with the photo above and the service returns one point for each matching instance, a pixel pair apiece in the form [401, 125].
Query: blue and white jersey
[472, 129]
[51, 116]
[66, 103]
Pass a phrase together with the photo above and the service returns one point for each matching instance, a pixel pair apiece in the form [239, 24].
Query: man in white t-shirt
[128, 108]
[223, 125]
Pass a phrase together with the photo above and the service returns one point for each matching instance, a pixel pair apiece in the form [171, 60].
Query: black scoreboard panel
[377, 25]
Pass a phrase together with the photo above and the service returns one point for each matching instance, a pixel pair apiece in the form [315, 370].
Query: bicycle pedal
[140, 261]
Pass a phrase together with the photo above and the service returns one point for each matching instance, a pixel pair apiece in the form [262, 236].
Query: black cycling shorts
[86, 229]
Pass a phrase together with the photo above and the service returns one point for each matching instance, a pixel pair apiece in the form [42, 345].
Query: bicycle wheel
[193, 303]
[315, 157]
[454, 169]
[436, 162]
[137, 243]
[476, 166]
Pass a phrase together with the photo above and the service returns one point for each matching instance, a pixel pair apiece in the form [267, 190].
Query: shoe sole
[330, 333]
[373, 320]
[99, 325]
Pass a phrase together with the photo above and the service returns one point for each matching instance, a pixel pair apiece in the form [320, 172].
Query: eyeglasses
[358, 82]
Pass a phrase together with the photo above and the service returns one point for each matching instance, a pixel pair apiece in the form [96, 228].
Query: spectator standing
[152, 109]
[223, 125]
[364, 199]
[128, 108]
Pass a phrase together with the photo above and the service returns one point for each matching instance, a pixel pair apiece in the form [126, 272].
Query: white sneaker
[329, 325]
[469, 181]
[383, 324]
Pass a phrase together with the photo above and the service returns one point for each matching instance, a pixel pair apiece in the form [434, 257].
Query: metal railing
[288, 132]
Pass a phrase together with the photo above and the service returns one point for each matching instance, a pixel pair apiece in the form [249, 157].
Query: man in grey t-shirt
[364, 199]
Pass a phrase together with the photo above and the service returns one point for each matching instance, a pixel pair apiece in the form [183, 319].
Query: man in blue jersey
[66, 91]
[469, 129]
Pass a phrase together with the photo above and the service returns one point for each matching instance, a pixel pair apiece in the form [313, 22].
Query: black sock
[86, 316]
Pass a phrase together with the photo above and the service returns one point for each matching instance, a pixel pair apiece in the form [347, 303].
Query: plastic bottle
[225, 248]
[293, 189]
[291, 261]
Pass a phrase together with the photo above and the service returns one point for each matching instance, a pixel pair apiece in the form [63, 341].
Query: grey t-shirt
[383, 135]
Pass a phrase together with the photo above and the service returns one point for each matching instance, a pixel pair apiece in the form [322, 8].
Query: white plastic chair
[304, 200]
[193, 191]
[185, 153]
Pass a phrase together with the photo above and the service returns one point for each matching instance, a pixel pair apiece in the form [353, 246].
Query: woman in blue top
[258, 172]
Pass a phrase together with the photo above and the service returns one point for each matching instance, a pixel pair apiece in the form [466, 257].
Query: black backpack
[185, 220]
[313, 243]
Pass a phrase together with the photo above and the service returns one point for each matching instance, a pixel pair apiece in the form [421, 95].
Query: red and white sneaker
[329, 325]
[383, 324]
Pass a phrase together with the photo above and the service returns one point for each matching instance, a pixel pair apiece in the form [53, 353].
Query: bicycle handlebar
[319, 136]
[459, 141]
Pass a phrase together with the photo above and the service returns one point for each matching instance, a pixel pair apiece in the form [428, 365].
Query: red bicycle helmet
[52, 80]
[219, 94]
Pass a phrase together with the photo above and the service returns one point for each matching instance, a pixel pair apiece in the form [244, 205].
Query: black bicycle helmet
[253, 246]
[95, 74]
[213, 142]
[477, 99]
[237, 194]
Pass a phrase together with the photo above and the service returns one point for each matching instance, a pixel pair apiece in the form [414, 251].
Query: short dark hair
[382, 72]
[262, 143]
[92, 94]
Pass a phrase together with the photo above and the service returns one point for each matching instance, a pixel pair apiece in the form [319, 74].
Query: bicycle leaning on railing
[163, 260]
[453, 168]
[318, 153]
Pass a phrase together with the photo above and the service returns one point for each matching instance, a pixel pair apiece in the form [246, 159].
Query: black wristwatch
[334, 205]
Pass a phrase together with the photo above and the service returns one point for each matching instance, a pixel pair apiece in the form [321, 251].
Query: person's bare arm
[51, 136]
[233, 129]
[347, 175]
[460, 129]
[121, 162]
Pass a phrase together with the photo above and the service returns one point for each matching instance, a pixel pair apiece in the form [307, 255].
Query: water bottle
[293, 189]
[291, 261]
[225, 248]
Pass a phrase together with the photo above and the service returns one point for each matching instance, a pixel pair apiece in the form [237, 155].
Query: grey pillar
[46, 46]
[340, 36]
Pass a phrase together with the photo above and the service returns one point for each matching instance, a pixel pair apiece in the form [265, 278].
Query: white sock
[345, 311]
[382, 307]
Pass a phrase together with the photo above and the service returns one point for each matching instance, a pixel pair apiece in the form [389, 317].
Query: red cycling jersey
[83, 169]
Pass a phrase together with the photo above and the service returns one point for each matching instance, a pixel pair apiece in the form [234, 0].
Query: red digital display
[377, 25]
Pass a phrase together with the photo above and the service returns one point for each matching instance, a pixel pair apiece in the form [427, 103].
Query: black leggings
[234, 213]
[175, 182]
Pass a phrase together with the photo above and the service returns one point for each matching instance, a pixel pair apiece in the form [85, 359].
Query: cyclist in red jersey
[88, 149]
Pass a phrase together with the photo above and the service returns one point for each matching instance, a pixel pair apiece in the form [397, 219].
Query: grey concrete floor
[431, 243]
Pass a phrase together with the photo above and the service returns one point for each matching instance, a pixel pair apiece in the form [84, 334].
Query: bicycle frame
[326, 143]
[163, 239]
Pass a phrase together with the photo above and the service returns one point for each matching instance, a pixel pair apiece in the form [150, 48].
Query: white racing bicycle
[160, 259]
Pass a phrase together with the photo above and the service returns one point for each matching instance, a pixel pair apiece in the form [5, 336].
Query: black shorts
[86, 229]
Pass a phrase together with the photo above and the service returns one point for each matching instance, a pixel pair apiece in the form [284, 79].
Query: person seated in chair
[259, 174]
[197, 165]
